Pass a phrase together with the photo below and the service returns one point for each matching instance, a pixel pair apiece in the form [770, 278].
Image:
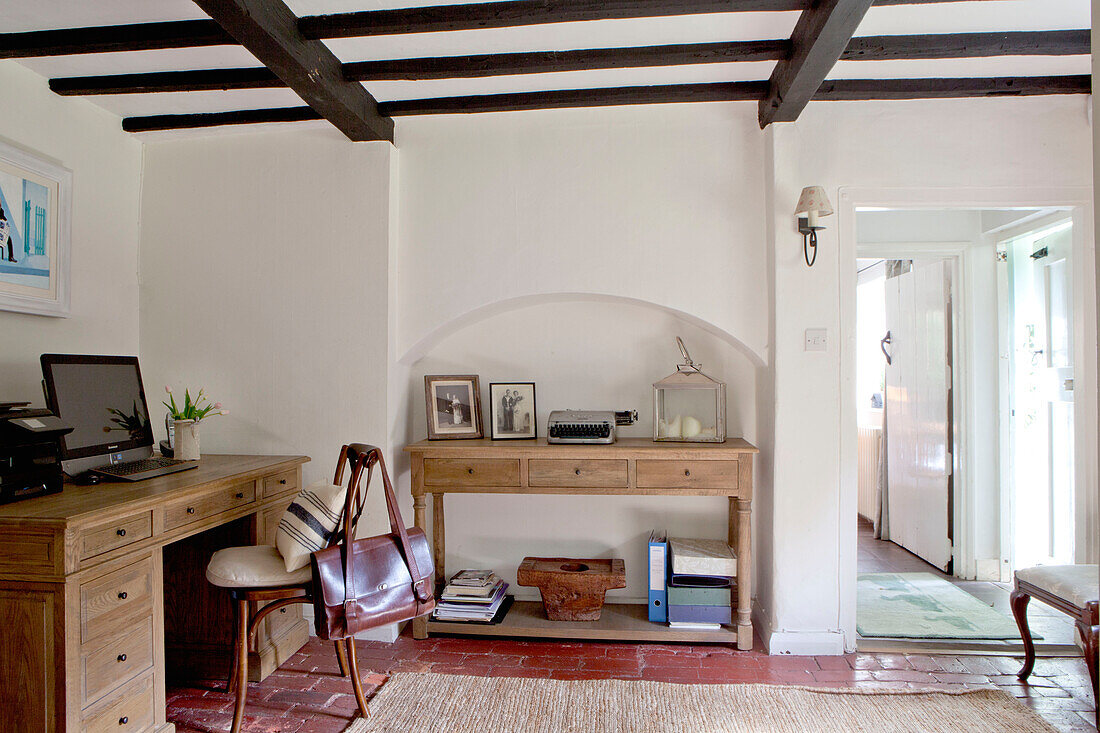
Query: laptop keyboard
[132, 467]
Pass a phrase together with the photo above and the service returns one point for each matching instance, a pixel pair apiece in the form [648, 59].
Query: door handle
[882, 344]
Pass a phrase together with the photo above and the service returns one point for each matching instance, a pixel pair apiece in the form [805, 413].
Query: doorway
[931, 501]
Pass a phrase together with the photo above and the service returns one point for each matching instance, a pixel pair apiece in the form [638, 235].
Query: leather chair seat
[1076, 584]
[254, 566]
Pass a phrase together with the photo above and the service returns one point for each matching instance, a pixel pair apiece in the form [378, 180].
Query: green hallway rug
[923, 606]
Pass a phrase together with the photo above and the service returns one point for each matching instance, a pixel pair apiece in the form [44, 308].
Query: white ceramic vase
[186, 440]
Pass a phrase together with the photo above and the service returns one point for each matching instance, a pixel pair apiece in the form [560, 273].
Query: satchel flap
[377, 563]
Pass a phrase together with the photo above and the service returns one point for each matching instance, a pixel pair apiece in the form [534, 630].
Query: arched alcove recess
[424, 346]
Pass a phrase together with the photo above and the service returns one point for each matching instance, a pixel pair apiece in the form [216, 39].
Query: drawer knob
[122, 657]
[122, 595]
[123, 720]
[687, 472]
[282, 481]
[470, 471]
[190, 510]
[240, 494]
[578, 472]
[122, 533]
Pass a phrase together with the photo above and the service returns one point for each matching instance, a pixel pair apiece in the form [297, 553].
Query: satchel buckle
[382, 586]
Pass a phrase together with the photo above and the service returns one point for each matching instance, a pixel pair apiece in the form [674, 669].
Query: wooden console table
[103, 590]
[631, 467]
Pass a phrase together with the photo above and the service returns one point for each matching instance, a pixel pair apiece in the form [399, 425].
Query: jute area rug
[445, 703]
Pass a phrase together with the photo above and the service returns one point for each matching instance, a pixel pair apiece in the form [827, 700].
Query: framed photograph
[512, 412]
[35, 215]
[454, 407]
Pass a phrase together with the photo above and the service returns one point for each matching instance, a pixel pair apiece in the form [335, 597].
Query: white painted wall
[589, 354]
[106, 166]
[264, 279]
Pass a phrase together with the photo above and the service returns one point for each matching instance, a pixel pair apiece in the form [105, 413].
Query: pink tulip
[217, 405]
[167, 389]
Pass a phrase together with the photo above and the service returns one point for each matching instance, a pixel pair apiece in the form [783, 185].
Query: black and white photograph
[453, 406]
[512, 410]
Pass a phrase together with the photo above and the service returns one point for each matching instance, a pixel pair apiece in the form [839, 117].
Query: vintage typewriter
[586, 426]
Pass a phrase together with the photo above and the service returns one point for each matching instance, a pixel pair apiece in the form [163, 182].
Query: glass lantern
[689, 406]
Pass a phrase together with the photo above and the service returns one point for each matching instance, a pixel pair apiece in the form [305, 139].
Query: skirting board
[797, 643]
[387, 633]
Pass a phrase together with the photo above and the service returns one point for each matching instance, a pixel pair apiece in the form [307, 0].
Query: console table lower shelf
[618, 622]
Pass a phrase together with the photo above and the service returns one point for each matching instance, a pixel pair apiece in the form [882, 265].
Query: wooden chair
[256, 574]
[1073, 590]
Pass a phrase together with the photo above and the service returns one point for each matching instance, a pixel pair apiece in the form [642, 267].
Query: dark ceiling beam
[269, 30]
[868, 48]
[199, 80]
[733, 91]
[106, 39]
[1010, 86]
[216, 119]
[539, 62]
[819, 38]
[836, 90]
[969, 45]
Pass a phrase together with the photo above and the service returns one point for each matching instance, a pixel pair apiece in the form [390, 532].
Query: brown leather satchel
[373, 581]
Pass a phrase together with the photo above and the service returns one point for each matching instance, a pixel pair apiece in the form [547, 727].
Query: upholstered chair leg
[356, 682]
[231, 678]
[1090, 636]
[242, 664]
[341, 656]
[1018, 600]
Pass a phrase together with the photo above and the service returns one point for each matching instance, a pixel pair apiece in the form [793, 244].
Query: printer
[30, 451]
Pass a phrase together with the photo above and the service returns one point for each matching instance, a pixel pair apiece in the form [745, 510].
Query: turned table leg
[744, 574]
[439, 543]
[420, 625]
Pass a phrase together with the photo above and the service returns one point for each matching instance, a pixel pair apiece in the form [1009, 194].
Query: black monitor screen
[102, 398]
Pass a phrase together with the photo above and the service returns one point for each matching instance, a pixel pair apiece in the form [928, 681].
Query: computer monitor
[103, 399]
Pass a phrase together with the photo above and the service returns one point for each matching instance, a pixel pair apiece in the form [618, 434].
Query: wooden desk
[93, 579]
[632, 466]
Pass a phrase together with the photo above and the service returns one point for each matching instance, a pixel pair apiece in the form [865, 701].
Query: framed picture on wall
[454, 407]
[512, 412]
[35, 215]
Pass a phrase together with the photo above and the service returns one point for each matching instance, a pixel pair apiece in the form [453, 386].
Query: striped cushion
[308, 523]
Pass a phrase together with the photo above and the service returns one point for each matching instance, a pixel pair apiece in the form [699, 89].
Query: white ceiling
[955, 17]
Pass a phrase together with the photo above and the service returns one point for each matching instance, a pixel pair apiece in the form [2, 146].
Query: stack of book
[473, 596]
[700, 580]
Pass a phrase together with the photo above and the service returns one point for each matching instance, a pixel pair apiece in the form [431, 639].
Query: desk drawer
[280, 483]
[207, 505]
[687, 474]
[112, 535]
[577, 473]
[115, 600]
[130, 710]
[117, 662]
[471, 472]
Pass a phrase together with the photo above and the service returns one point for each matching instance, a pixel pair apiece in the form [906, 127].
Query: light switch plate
[817, 339]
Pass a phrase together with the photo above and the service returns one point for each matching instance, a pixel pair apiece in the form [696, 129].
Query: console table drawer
[182, 513]
[662, 474]
[471, 472]
[599, 473]
[130, 710]
[117, 662]
[112, 535]
[113, 601]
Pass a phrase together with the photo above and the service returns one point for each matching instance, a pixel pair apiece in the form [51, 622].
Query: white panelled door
[918, 412]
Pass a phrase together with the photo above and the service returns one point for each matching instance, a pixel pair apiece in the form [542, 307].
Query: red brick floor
[307, 695]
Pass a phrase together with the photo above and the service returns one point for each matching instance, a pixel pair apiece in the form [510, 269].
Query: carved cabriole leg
[1089, 629]
[242, 664]
[420, 625]
[356, 681]
[744, 574]
[1018, 600]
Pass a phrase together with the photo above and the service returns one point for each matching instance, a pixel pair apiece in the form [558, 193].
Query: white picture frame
[35, 234]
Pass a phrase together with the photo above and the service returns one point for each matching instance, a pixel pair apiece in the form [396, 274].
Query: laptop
[103, 399]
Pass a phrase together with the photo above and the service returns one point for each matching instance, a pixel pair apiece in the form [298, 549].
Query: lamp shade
[813, 201]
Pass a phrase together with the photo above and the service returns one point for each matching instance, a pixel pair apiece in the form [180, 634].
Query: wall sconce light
[813, 203]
